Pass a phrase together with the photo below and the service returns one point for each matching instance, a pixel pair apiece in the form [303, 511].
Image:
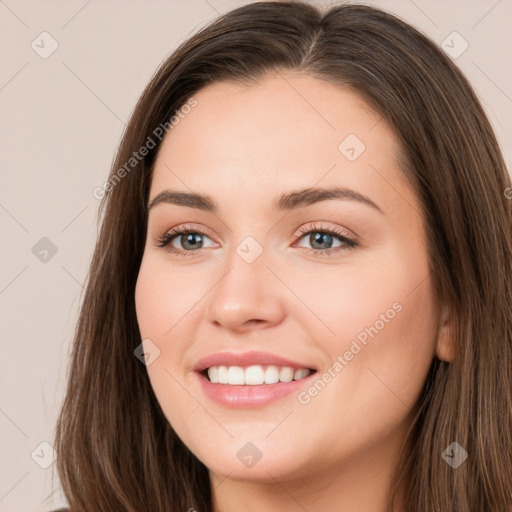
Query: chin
[257, 460]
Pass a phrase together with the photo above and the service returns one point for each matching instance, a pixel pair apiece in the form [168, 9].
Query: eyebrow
[287, 201]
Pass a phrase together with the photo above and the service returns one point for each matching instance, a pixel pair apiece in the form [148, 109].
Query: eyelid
[348, 238]
[322, 226]
[167, 237]
[189, 227]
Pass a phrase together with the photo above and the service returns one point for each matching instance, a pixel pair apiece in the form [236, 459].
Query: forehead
[286, 131]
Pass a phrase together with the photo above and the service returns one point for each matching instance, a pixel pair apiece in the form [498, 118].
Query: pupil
[194, 239]
[320, 237]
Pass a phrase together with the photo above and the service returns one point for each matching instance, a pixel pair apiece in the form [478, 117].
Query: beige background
[62, 118]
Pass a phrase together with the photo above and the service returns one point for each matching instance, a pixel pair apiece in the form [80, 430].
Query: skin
[244, 146]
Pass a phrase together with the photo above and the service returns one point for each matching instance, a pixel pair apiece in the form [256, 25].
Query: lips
[242, 387]
[231, 392]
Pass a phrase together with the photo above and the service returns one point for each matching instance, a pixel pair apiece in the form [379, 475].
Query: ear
[445, 348]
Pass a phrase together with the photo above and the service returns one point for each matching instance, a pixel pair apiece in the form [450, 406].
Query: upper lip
[246, 359]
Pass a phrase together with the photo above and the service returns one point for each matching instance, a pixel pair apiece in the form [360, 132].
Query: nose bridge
[246, 270]
[247, 290]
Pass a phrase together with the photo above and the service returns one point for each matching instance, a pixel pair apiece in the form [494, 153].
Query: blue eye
[321, 239]
[190, 240]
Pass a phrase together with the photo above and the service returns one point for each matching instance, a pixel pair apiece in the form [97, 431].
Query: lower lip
[248, 395]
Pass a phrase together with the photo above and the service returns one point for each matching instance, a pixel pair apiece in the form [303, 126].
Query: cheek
[383, 347]
[379, 317]
[385, 295]
[342, 303]
[389, 344]
[402, 353]
[166, 298]
[164, 303]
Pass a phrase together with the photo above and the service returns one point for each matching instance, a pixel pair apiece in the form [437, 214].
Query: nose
[248, 296]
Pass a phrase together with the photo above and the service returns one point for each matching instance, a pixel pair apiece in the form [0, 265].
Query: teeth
[286, 374]
[301, 373]
[213, 374]
[236, 375]
[254, 375]
[272, 375]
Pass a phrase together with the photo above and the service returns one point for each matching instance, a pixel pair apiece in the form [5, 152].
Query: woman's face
[338, 283]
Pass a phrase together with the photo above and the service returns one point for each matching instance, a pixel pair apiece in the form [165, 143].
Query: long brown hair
[117, 451]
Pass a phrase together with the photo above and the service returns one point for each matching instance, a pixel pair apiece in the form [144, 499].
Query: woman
[301, 292]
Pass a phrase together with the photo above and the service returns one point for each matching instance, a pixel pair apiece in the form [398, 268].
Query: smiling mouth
[254, 375]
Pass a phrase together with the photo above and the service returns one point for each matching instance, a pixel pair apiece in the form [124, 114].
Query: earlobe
[445, 348]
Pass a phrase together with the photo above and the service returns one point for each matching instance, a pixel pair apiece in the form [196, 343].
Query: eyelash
[165, 240]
